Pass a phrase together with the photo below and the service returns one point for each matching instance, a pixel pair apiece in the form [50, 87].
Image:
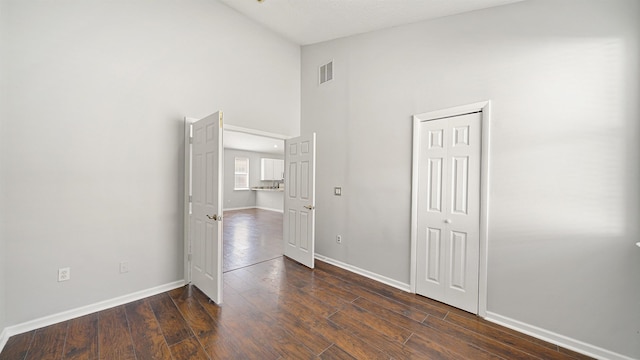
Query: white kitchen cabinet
[278, 169]
[271, 169]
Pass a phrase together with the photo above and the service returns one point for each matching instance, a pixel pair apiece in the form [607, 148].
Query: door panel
[448, 241]
[433, 255]
[435, 185]
[299, 202]
[206, 217]
[460, 185]
[458, 252]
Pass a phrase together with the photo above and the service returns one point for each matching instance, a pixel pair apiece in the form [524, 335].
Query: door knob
[215, 217]
[309, 207]
[447, 221]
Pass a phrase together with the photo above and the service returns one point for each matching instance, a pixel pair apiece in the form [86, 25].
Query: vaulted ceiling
[311, 21]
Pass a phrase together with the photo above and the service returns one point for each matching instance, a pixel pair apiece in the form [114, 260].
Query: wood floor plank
[173, 325]
[232, 327]
[148, 340]
[435, 349]
[355, 279]
[386, 344]
[82, 338]
[442, 342]
[48, 342]
[197, 318]
[114, 338]
[507, 338]
[353, 345]
[488, 344]
[260, 240]
[410, 305]
[378, 308]
[293, 324]
[383, 326]
[335, 353]
[17, 346]
[188, 349]
[265, 329]
[270, 332]
[574, 354]
[417, 301]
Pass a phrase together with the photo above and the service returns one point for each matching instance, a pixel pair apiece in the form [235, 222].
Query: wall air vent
[326, 72]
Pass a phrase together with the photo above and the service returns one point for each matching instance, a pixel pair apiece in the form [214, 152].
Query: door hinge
[190, 198]
[190, 139]
[189, 257]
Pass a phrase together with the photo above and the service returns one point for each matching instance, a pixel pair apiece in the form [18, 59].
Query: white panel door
[206, 217]
[448, 242]
[299, 199]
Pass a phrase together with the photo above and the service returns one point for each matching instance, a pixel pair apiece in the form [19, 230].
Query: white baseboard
[254, 207]
[560, 340]
[269, 209]
[4, 336]
[239, 208]
[84, 310]
[371, 275]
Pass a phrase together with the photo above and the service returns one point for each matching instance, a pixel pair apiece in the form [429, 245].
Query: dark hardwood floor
[251, 236]
[278, 309]
[275, 308]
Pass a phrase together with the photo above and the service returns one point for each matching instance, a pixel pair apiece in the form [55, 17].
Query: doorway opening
[253, 189]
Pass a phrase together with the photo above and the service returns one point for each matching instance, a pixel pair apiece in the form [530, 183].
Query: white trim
[254, 207]
[187, 192]
[371, 275]
[228, 127]
[4, 337]
[554, 338]
[485, 108]
[269, 209]
[84, 310]
[239, 208]
[484, 210]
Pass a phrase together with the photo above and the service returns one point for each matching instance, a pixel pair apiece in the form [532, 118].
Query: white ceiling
[243, 141]
[312, 21]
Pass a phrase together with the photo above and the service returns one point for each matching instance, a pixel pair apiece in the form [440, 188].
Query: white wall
[234, 199]
[563, 80]
[3, 309]
[270, 200]
[91, 149]
[3, 253]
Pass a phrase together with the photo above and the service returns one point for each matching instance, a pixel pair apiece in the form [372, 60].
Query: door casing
[485, 108]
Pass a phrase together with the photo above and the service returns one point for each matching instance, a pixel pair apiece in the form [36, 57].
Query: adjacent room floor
[251, 236]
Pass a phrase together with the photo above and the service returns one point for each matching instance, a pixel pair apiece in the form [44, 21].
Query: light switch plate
[337, 191]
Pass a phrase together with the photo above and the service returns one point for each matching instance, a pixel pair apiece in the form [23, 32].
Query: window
[241, 174]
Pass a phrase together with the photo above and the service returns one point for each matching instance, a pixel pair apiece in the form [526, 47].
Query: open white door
[205, 222]
[300, 199]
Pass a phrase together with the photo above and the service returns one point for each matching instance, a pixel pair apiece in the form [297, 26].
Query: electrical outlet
[64, 274]
[124, 267]
[339, 239]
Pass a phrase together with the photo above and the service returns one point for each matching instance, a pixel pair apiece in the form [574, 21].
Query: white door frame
[187, 192]
[485, 108]
[187, 179]
[228, 127]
